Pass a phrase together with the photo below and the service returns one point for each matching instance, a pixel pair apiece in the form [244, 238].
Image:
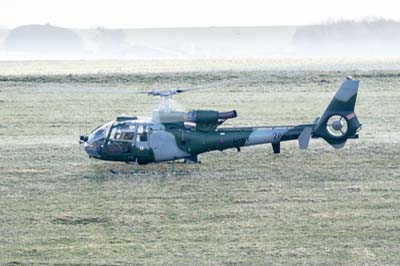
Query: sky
[188, 13]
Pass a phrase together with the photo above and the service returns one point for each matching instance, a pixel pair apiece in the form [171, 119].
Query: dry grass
[250, 208]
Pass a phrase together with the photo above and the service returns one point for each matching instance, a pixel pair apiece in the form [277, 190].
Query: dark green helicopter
[170, 135]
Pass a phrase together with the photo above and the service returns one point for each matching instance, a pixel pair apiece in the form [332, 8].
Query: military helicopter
[171, 135]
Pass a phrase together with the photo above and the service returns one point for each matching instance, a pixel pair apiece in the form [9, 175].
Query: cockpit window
[99, 134]
[142, 133]
[96, 136]
[123, 133]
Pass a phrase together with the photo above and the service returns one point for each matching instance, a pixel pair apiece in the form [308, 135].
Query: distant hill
[41, 39]
[211, 42]
[371, 37]
[216, 42]
[3, 35]
[366, 38]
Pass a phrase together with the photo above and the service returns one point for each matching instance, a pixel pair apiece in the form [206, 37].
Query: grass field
[320, 207]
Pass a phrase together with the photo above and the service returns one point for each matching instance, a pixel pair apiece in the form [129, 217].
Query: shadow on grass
[104, 173]
[68, 220]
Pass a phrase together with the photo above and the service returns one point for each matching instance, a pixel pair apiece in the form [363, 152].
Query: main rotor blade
[95, 88]
[171, 92]
[210, 85]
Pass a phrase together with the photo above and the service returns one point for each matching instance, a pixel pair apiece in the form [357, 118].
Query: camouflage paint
[170, 137]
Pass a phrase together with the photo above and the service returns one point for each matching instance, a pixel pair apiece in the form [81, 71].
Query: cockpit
[116, 137]
[94, 142]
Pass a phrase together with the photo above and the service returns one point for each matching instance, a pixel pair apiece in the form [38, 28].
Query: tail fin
[339, 122]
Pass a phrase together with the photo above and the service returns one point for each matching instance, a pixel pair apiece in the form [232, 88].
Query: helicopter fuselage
[172, 135]
[146, 142]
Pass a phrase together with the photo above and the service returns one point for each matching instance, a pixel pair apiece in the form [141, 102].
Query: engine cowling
[208, 120]
[205, 120]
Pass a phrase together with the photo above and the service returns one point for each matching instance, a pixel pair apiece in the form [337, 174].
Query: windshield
[99, 134]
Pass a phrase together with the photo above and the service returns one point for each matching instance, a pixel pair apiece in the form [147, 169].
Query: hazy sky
[188, 13]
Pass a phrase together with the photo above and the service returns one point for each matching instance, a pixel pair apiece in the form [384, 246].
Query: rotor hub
[337, 125]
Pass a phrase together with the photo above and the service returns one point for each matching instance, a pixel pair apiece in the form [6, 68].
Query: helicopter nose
[91, 150]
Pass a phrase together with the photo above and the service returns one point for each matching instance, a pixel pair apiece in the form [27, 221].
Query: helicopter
[171, 134]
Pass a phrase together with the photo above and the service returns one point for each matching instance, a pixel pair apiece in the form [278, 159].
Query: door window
[142, 133]
[121, 139]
